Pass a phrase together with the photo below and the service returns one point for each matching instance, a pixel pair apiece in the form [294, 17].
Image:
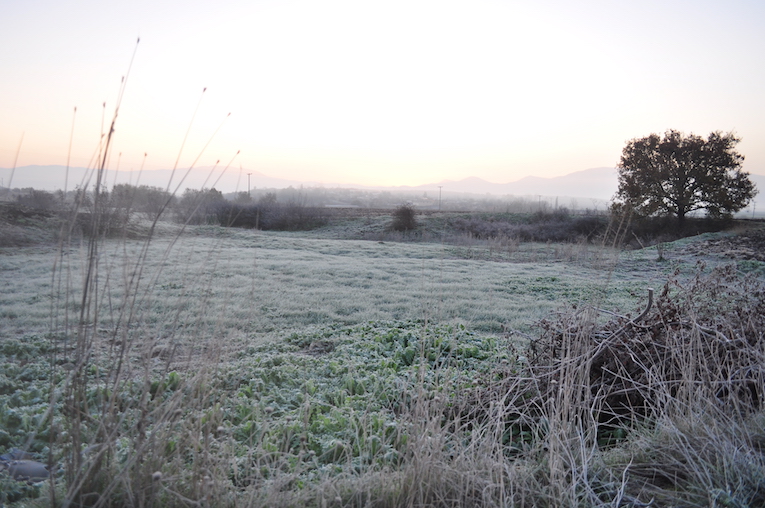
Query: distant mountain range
[596, 183]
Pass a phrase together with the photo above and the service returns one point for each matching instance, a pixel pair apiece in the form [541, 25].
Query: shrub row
[557, 226]
[274, 216]
[561, 226]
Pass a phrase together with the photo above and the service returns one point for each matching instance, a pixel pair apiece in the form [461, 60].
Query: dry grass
[663, 409]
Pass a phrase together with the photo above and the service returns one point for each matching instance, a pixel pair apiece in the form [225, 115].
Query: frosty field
[226, 367]
[254, 285]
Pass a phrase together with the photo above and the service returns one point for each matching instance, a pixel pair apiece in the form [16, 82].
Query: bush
[38, 200]
[266, 216]
[199, 206]
[404, 218]
[145, 199]
[639, 232]
[556, 226]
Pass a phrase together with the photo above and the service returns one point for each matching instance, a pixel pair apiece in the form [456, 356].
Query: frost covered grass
[265, 284]
[242, 368]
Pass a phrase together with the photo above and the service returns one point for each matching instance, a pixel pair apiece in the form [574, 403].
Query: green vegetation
[333, 395]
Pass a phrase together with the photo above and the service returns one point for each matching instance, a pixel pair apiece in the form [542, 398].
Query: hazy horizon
[376, 93]
[598, 183]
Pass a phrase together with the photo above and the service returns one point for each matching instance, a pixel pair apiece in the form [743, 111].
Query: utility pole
[439, 197]
[248, 185]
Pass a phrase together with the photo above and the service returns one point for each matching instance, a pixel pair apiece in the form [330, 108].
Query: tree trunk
[681, 220]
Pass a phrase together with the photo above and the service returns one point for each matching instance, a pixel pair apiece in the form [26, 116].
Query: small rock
[26, 470]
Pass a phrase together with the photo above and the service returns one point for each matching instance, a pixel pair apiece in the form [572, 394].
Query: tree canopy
[676, 174]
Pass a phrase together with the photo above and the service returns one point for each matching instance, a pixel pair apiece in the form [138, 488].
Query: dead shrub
[701, 343]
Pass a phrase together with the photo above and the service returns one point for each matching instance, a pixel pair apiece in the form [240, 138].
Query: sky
[375, 92]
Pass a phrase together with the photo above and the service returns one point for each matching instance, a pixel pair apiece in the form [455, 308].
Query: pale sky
[378, 92]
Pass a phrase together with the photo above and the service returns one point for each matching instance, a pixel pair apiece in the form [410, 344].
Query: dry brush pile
[662, 409]
[703, 340]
